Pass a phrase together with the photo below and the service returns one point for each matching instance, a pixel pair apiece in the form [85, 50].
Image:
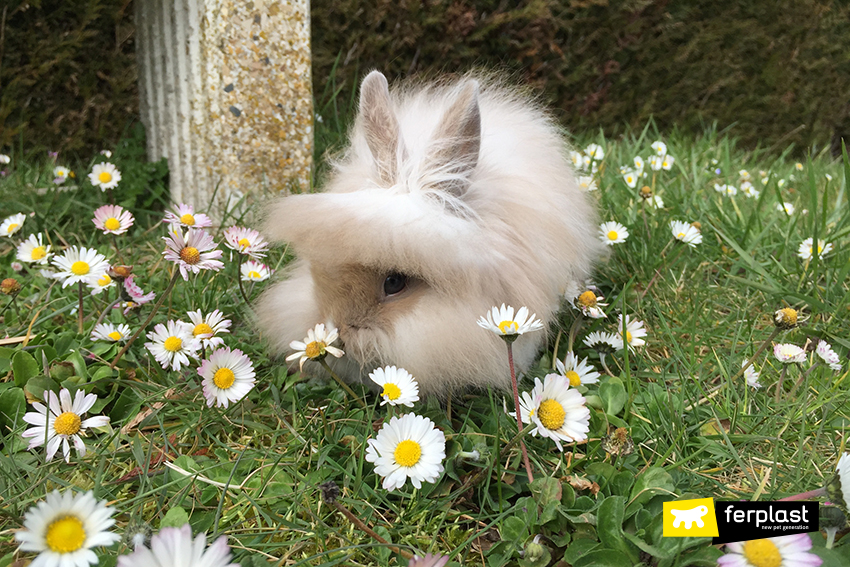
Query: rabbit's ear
[458, 141]
[380, 124]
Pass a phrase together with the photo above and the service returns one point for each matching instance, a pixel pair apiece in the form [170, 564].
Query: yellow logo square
[690, 518]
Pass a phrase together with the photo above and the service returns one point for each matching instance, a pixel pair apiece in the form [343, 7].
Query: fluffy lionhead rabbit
[453, 197]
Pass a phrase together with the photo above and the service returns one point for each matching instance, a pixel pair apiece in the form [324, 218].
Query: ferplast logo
[690, 518]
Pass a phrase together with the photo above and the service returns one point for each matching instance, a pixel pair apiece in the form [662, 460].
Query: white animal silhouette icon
[689, 517]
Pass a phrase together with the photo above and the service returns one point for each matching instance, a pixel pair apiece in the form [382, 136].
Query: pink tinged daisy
[782, 551]
[686, 232]
[110, 332]
[105, 175]
[60, 421]
[227, 375]
[206, 328]
[173, 344]
[174, 547]
[135, 292]
[806, 249]
[184, 215]
[112, 219]
[612, 233]
[398, 386]
[79, 265]
[429, 560]
[316, 346]
[12, 224]
[17, 266]
[407, 447]
[577, 372]
[501, 320]
[33, 250]
[253, 271]
[629, 332]
[558, 411]
[64, 528]
[788, 353]
[829, 356]
[193, 252]
[101, 283]
[60, 174]
[246, 241]
[589, 304]
[751, 375]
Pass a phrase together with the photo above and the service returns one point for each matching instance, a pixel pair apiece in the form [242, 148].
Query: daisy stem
[367, 530]
[803, 377]
[604, 364]
[518, 413]
[148, 320]
[342, 384]
[757, 353]
[574, 329]
[781, 380]
[80, 307]
[817, 493]
[108, 308]
[241, 285]
[477, 477]
[117, 251]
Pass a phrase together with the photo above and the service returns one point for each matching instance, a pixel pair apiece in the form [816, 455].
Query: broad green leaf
[613, 394]
[174, 518]
[24, 367]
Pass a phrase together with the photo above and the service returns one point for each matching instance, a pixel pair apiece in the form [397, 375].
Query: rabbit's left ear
[457, 141]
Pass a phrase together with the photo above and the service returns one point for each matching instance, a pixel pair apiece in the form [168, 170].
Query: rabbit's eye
[395, 283]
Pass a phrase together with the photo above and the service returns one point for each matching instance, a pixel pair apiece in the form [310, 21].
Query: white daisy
[110, 332]
[656, 162]
[824, 350]
[660, 148]
[782, 551]
[184, 215]
[316, 345]
[228, 376]
[595, 152]
[639, 164]
[787, 208]
[843, 474]
[60, 173]
[630, 177]
[106, 153]
[61, 421]
[558, 411]
[798, 166]
[172, 344]
[105, 175]
[579, 373]
[587, 183]
[112, 219]
[806, 249]
[686, 232]
[246, 241]
[253, 271]
[656, 202]
[399, 387]
[4, 159]
[588, 303]
[751, 375]
[501, 321]
[193, 252]
[788, 353]
[631, 332]
[781, 183]
[577, 158]
[12, 224]
[612, 233]
[79, 265]
[174, 547]
[744, 175]
[601, 341]
[749, 190]
[667, 162]
[206, 328]
[411, 447]
[33, 250]
[100, 283]
[64, 528]
[590, 164]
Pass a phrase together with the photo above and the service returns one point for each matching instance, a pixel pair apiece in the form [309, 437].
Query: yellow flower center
[190, 255]
[407, 453]
[244, 243]
[67, 423]
[12, 228]
[612, 235]
[112, 224]
[574, 378]
[551, 414]
[628, 337]
[202, 329]
[38, 253]
[315, 349]
[65, 535]
[173, 344]
[587, 299]
[104, 281]
[115, 336]
[391, 391]
[646, 191]
[104, 177]
[762, 553]
[224, 378]
[188, 219]
[79, 268]
[787, 316]
[508, 327]
[680, 236]
[254, 275]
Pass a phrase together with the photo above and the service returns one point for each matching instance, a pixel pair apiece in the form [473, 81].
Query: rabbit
[453, 197]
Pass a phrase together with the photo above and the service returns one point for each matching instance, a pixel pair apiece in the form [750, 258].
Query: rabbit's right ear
[380, 125]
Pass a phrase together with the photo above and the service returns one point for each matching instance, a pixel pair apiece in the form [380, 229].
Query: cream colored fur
[463, 185]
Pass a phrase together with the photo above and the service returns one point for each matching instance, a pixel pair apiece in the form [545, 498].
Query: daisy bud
[10, 286]
[785, 318]
[534, 550]
[120, 272]
[696, 225]
[645, 192]
[330, 491]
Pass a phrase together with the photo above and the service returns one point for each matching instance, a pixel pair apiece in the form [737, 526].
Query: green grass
[696, 430]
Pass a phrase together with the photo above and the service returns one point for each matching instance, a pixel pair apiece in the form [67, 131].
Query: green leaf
[652, 482]
[609, 526]
[13, 405]
[514, 530]
[579, 548]
[24, 367]
[656, 552]
[174, 518]
[80, 369]
[604, 558]
[37, 386]
[613, 394]
[546, 489]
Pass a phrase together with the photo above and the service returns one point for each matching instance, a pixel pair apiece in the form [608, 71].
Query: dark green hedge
[779, 71]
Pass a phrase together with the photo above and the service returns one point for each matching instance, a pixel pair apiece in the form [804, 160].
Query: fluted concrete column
[226, 96]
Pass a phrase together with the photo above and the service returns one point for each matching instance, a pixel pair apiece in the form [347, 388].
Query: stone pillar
[225, 96]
